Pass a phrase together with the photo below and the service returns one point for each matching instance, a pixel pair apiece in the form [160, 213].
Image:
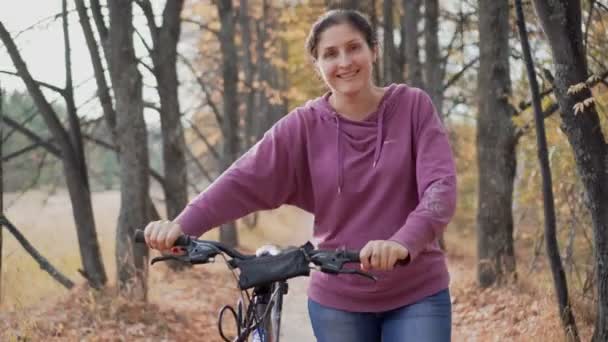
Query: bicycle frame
[263, 312]
[268, 306]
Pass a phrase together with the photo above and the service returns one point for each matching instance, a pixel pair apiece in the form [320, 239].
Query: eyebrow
[354, 40]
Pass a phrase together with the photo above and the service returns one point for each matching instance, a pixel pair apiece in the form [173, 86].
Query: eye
[354, 47]
[329, 54]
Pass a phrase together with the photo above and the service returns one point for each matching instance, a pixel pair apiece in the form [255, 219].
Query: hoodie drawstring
[379, 142]
[377, 148]
[340, 168]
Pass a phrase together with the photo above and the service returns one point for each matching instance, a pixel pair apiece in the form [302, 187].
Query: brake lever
[193, 254]
[361, 273]
[181, 258]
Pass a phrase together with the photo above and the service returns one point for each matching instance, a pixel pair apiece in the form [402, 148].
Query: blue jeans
[429, 320]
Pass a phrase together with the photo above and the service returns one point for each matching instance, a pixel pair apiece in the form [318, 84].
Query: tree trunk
[414, 67]
[75, 174]
[561, 22]
[249, 72]
[432, 63]
[230, 122]
[1, 182]
[165, 63]
[132, 142]
[559, 277]
[496, 147]
[373, 18]
[389, 57]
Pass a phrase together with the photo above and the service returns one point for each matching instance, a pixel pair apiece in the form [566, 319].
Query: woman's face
[344, 59]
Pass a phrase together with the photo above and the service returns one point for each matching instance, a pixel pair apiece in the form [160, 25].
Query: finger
[175, 233]
[376, 258]
[153, 235]
[147, 233]
[364, 257]
[162, 236]
[385, 256]
[392, 259]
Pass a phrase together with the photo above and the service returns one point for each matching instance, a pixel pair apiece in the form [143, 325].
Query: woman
[375, 168]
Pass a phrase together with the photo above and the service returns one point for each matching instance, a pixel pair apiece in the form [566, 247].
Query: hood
[356, 132]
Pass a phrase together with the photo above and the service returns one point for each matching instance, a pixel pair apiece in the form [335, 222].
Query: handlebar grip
[352, 255]
[139, 236]
[183, 240]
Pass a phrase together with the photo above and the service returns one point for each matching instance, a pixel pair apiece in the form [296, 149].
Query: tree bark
[496, 147]
[249, 71]
[561, 23]
[414, 67]
[132, 142]
[559, 277]
[1, 182]
[230, 122]
[388, 53]
[164, 59]
[75, 174]
[433, 67]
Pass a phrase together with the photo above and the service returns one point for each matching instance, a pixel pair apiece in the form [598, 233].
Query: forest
[115, 113]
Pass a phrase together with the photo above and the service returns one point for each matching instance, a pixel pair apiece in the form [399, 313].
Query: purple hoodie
[390, 176]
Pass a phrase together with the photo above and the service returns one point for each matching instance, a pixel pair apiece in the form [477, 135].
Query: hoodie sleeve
[265, 177]
[435, 178]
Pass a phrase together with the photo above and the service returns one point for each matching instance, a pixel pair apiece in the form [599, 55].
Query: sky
[39, 37]
[41, 46]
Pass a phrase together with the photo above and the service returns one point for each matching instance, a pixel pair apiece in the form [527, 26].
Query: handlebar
[267, 268]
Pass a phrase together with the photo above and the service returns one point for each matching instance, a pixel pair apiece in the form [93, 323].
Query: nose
[344, 60]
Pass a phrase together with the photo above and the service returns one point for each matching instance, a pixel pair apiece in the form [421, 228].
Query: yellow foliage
[576, 88]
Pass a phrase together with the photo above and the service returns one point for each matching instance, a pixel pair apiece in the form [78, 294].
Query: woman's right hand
[161, 235]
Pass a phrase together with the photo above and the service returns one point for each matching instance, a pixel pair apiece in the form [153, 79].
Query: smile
[348, 75]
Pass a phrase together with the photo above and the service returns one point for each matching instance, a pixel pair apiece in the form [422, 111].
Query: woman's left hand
[382, 255]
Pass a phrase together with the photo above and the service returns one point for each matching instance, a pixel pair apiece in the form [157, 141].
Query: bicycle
[266, 273]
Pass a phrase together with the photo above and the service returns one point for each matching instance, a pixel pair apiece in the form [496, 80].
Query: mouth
[348, 75]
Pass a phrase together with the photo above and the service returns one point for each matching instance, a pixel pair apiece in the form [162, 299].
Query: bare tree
[131, 139]
[412, 54]
[164, 58]
[249, 70]
[70, 144]
[561, 23]
[496, 144]
[434, 70]
[230, 124]
[1, 180]
[389, 58]
[559, 277]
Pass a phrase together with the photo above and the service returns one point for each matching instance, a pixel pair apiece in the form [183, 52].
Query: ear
[375, 53]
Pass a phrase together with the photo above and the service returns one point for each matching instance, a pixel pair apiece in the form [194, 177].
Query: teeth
[350, 74]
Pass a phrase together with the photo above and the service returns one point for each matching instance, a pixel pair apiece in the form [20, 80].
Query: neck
[358, 105]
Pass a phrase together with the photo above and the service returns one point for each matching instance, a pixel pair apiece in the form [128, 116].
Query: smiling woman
[374, 166]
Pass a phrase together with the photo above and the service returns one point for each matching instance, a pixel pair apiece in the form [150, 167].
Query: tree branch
[459, 74]
[103, 90]
[203, 86]
[44, 107]
[201, 136]
[199, 165]
[202, 26]
[160, 179]
[39, 83]
[42, 261]
[33, 136]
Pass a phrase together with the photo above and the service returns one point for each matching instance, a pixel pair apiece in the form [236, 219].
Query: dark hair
[339, 16]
